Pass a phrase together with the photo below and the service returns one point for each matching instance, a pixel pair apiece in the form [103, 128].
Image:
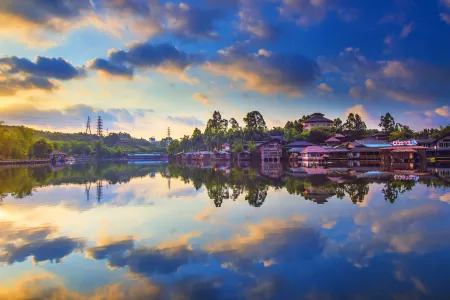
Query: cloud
[410, 80]
[325, 88]
[108, 68]
[281, 241]
[361, 110]
[187, 22]
[165, 258]
[18, 74]
[32, 19]
[144, 56]
[202, 98]
[252, 22]
[188, 121]
[304, 12]
[286, 74]
[17, 244]
[445, 17]
[443, 111]
[407, 29]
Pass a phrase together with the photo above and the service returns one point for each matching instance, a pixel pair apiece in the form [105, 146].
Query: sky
[146, 65]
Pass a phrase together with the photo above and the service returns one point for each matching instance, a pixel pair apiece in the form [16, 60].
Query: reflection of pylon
[168, 182]
[88, 189]
[99, 190]
[88, 125]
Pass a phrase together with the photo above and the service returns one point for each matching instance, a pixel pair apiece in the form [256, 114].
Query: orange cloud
[202, 98]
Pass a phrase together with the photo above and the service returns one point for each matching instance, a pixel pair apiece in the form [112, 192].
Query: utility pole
[99, 126]
[88, 125]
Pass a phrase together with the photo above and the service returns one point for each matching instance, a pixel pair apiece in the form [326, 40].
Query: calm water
[158, 231]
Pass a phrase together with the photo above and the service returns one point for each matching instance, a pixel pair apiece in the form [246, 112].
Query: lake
[163, 231]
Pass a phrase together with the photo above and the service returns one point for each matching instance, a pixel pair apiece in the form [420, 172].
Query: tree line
[19, 142]
[220, 130]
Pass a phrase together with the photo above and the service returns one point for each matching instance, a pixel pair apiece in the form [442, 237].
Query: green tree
[42, 148]
[254, 124]
[174, 147]
[387, 123]
[337, 124]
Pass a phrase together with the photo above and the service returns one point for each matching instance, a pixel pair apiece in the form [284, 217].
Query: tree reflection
[392, 189]
[257, 195]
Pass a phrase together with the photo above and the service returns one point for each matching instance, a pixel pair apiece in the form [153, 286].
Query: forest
[219, 130]
[19, 142]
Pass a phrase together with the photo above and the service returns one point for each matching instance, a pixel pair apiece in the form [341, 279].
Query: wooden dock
[24, 162]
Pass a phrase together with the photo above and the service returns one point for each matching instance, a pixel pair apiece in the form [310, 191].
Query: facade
[332, 141]
[443, 143]
[429, 143]
[338, 153]
[244, 155]
[271, 151]
[316, 120]
[313, 153]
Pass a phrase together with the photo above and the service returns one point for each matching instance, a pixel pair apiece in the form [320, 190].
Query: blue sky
[145, 65]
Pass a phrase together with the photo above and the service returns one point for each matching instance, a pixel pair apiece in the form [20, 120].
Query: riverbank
[24, 162]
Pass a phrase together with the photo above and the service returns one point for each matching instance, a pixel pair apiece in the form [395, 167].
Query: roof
[143, 154]
[335, 150]
[338, 135]
[365, 149]
[300, 144]
[297, 149]
[269, 141]
[332, 139]
[317, 117]
[315, 149]
[371, 141]
[404, 148]
[425, 141]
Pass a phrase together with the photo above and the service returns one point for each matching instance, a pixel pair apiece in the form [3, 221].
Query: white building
[317, 120]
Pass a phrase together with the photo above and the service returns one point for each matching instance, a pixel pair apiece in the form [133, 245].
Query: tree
[337, 124]
[276, 131]
[318, 135]
[42, 148]
[355, 125]
[197, 139]
[254, 124]
[174, 147]
[387, 123]
[234, 124]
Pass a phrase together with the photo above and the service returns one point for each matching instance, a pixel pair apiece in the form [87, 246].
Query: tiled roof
[332, 139]
[300, 144]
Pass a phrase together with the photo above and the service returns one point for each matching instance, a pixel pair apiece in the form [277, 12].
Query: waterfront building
[271, 151]
[314, 153]
[332, 142]
[316, 120]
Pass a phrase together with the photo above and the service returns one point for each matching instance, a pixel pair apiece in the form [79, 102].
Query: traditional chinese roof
[318, 118]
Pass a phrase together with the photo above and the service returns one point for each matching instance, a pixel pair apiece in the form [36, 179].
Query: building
[226, 147]
[440, 148]
[382, 136]
[316, 120]
[315, 153]
[429, 143]
[332, 142]
[295, 148]
[271, 151]
[58, 156]
[152, 140]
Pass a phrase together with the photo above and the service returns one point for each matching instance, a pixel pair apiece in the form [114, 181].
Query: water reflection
[205, 231]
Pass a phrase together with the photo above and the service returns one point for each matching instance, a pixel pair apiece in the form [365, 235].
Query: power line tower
[168, 137]
[88, 125]
[99, 126]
